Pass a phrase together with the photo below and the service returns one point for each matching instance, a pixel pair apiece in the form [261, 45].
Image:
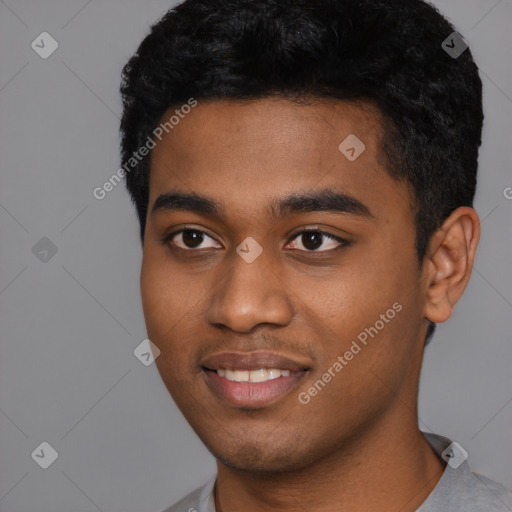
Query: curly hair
[385, 52]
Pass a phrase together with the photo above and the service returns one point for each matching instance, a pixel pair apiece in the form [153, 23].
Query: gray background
[69, 326]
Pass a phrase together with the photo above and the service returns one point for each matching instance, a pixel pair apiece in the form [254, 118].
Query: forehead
[245, 154]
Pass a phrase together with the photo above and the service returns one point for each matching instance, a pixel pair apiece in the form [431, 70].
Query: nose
[251, 294]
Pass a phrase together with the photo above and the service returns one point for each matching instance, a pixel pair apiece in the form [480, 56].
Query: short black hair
[387, 52]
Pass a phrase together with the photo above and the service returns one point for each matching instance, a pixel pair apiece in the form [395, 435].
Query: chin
[260, 458]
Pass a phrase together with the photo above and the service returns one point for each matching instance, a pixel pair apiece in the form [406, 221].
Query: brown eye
[189, 239]
[312, 240]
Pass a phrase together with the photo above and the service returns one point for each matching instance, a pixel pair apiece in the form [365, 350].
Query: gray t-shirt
[458, 490]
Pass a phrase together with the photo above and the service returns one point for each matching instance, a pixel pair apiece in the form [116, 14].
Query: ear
[449, 262]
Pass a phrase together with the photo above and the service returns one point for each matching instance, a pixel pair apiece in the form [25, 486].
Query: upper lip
[251, 361]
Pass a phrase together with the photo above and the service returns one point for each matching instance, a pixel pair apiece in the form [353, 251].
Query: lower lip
[252, 394]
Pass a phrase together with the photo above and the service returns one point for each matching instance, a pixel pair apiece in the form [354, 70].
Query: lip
[252, 361]
[252, 395]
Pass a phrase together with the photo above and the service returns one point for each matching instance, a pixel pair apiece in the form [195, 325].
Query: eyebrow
[302, 202]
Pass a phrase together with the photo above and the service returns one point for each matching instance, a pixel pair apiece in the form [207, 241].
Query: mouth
[252, 380]
[259, 375]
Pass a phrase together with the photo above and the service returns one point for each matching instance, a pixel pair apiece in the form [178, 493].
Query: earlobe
[449, 263]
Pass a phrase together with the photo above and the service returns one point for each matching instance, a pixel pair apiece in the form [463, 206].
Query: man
[304, 174]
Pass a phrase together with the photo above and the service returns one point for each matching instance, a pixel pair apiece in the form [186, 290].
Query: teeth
[261, 375]
[240, 375]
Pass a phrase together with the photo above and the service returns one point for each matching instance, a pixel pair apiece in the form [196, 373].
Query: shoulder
[488, 495]
[460, 488]
[200, 500]
[189, 503]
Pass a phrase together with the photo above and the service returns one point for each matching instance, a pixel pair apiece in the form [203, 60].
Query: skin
[356, 445]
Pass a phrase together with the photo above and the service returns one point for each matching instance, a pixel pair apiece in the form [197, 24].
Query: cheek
[367, 379]
[171, 304]
[166, 297]
[368, 312]
[156, 302]
[163, 308]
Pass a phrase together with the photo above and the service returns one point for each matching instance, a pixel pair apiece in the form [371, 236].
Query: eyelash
[168, 239]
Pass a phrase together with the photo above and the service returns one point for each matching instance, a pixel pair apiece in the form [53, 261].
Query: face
[280, 280]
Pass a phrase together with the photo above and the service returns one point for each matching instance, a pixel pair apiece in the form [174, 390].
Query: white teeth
[274, 374]
[261, 375]
[241, 375]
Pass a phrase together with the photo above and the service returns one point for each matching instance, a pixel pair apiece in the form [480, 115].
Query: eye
[189, 238]
[309, 240]
[312, 239]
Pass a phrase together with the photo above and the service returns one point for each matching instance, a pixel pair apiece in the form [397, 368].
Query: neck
[390, 467]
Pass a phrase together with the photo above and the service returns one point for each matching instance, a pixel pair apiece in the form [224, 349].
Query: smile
[260, 375]
[252, 380]
[252, 389]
